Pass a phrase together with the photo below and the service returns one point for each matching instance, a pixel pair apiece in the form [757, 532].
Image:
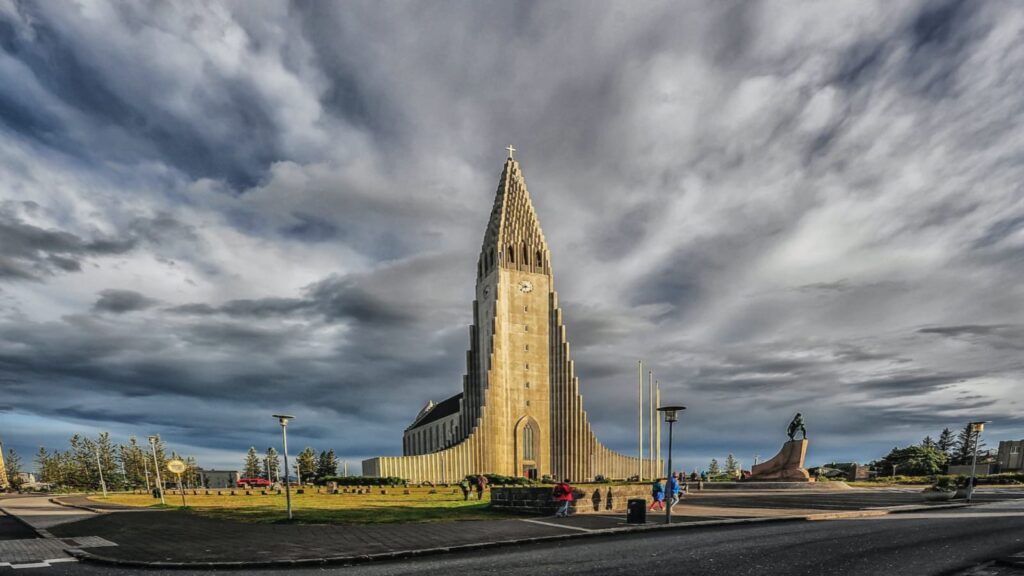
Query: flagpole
[650, 428]
[640, 420]
[657, 441]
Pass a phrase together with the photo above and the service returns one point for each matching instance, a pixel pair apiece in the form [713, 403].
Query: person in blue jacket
[657, 495]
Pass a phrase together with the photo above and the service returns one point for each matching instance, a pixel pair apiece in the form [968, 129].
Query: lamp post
[671, 417]
[99, 466]
[283, 419]
[156, 469]
[976, 429]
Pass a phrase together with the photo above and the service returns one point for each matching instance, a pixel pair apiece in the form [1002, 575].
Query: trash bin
[156, 493]
[636, 511]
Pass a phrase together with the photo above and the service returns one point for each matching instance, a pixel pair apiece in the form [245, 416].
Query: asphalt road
[942, 542]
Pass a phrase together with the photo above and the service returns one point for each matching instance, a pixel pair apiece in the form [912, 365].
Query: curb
[42, 532]
[60, 502]
[84, 556]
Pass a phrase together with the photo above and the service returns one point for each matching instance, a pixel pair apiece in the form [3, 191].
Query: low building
[965, 469]
[26, 478]
[218, 478]
[1011, 456]
[435, 427]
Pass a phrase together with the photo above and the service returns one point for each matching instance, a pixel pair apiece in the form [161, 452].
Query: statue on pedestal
[788, 464]
[797, 425]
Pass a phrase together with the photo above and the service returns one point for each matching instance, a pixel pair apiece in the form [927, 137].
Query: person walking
[464, 486]
[672, 490]
[657, 495]
[481, 485]
[562, 492]
[684, 488]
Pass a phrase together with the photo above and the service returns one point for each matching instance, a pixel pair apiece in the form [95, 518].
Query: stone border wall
[588, 499]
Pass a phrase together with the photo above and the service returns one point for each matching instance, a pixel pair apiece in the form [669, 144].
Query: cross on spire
[510, 150]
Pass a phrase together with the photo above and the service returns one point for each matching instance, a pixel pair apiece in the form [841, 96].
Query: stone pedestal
[787, 465]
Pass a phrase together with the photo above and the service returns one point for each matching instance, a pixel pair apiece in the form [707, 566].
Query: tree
[273, 464]
[135, 463]
[82, 471]
[946, 442]
[327, 465]
[191, 475]
[44, 465]
[964, 447]
[732, 467]
[713, 468]
[13, 466]
[252, 468]
[913, 461]
[305, 465]
[928, 442]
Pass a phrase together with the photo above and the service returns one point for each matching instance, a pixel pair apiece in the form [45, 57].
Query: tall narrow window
[529, 450]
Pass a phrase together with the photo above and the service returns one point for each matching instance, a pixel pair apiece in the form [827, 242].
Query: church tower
[520, 412]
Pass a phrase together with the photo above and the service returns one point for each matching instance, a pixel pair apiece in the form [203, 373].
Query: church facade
[520, 412]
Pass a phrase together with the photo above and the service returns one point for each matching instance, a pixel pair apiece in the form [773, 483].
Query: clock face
[526, 286]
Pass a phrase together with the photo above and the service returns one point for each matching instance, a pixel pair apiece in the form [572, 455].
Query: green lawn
[373, 508]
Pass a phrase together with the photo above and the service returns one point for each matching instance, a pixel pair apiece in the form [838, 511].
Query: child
[657, 495]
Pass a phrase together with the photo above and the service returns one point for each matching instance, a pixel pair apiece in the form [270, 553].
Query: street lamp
[99, 466]
[156, 469]
[671, 417]
[283, 419]
[976, 429]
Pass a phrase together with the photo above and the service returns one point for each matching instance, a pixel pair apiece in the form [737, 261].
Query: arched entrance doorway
[527, 447]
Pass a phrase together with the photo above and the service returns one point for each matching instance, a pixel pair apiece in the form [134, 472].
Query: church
[520, 412]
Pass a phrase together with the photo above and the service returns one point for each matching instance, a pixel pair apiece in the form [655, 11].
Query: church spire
[513, 238]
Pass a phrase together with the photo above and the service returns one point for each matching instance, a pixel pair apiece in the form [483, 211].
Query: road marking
[557, 525]
[41, 564]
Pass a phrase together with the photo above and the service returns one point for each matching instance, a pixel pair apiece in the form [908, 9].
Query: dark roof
[440, 410]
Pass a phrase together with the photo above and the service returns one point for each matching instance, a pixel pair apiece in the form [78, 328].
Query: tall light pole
[671, 416]
[283, 419]
[976, 429]
[156, 469]
[99, 466]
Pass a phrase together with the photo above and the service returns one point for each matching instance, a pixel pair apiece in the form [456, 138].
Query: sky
[213, 212]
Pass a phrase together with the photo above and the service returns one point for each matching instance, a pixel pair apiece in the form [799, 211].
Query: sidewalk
[25, 537]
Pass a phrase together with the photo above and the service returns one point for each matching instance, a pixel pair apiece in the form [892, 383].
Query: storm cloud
[209, 213]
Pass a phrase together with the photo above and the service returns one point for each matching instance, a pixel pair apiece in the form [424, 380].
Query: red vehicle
[254, 482]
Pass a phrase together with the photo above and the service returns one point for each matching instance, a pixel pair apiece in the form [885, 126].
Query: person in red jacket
[562, 492]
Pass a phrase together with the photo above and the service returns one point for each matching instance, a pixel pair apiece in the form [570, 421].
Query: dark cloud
[999, 231]
[121, 301]
[999, 336]
[32, 253]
